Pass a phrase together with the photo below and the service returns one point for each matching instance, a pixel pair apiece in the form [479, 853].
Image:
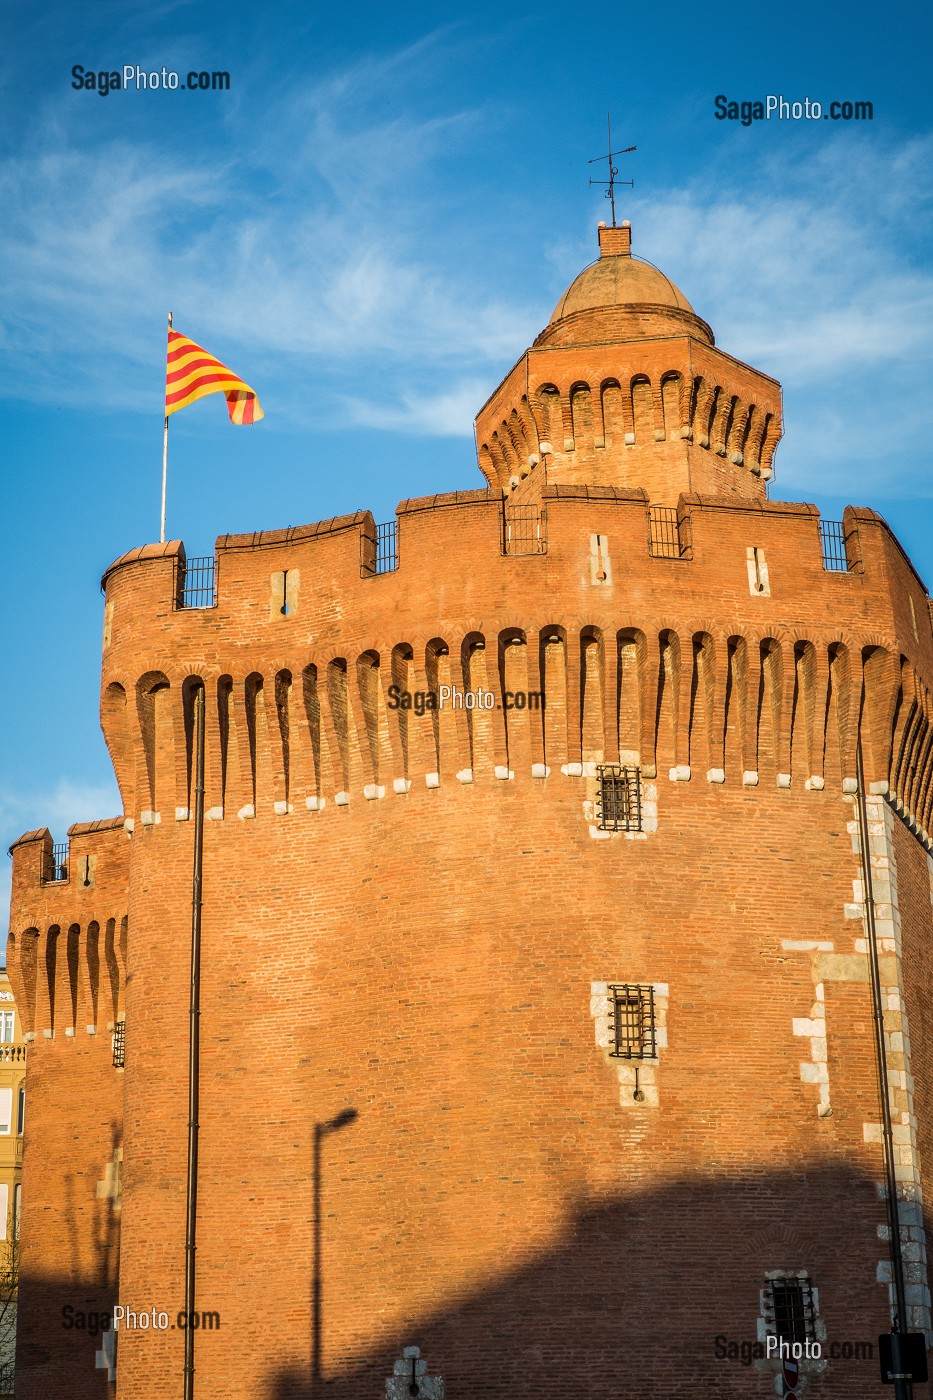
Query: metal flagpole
[164, 461]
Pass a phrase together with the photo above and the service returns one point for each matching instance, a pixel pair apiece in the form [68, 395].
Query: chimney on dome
[615, 242]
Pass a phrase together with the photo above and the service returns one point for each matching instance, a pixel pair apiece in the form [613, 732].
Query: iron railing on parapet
[379, 551]
[670, 535]
[524, 530]
[55, 867]
[196, 582]
[841, 548]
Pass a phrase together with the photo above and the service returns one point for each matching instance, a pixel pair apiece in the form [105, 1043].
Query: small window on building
[632, 1022]
[119, 1045]
[789, 1309]
[618, 801]
[21, 1110]
[6, 1110]
[6, 1027]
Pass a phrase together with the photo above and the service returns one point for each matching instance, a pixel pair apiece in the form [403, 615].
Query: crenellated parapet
[66, 952]
[314, 707]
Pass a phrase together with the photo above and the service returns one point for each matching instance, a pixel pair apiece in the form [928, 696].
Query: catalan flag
[191, 373]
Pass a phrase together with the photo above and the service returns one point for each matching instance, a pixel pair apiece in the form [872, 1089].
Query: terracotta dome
[619, 281]
[619, 297]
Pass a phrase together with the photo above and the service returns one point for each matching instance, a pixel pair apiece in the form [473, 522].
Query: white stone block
[401, 785]
[503, 773]
[715, 775]
[680, 774]
[150, 818]
[214, 814]
[315, 804]
[373, 792]
[464, 776]
[182, 814]
[540, 770]
[783, 780]
[815, 783]
[572, 770]
[750, 778]
[342, 799]
[247, 812]
[433, 780]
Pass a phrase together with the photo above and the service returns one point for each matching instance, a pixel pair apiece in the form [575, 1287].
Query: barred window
[618, 801]
[789, 1309]
[632, 1022]
[119, 1045]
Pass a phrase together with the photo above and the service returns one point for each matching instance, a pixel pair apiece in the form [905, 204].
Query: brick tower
[538, 947]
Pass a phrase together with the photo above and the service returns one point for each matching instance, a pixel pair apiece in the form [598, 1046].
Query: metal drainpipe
[194, 1042]
[903, 1390]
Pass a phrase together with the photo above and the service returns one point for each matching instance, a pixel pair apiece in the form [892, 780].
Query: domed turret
[618, 297]
[625, 387]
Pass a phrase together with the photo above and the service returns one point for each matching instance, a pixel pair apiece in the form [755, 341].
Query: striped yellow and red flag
[191, 373]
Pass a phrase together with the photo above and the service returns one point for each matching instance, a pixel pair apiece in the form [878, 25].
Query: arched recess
[671, 404]
[153, 699]
[28, 965]
[739, 754]
[881, 695]
[547, 409]
[804, 758]
[189, 692]
[642, 410]
[839, 726]
[73, 967]
[581, 415]
[116, 726]
[613, 419]
[769, 705]
[49, 983]
[630, 694]
[667, 707]
[281, 756]
[592, 677]
[704, 751]
[92, 959]
[111, 945]
[368, 681]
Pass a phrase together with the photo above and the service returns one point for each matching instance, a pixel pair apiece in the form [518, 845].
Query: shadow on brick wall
[631, 1301]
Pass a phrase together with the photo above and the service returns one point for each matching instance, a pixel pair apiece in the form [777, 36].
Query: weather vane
[613, 170]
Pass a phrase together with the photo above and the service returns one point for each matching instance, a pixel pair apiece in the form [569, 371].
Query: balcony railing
[13, 1054]
[196, 582]
[56, 865]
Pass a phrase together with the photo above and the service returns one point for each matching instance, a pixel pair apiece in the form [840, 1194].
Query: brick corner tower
[565, 904]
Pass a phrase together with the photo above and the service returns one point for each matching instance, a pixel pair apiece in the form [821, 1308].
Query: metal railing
[841, 554]
[119, 1045]
[379, 552]
[196, 582]
[669, 536]
[524, 530]
[56, 865]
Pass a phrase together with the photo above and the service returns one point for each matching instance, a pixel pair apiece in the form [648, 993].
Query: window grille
[119, 1045]
[632, 1022]
[196, 582]
[841, 554]
[669, 536]
[7, 1373]
[524, 530]
[56, 866]
[789, 1310]
[618, 801]
[379, 552]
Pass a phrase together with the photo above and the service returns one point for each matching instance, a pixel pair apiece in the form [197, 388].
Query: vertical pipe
[194, 1042]
[902, 1389]
[164, 461]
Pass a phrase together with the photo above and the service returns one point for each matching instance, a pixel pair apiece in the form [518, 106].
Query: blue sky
[370, 226]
